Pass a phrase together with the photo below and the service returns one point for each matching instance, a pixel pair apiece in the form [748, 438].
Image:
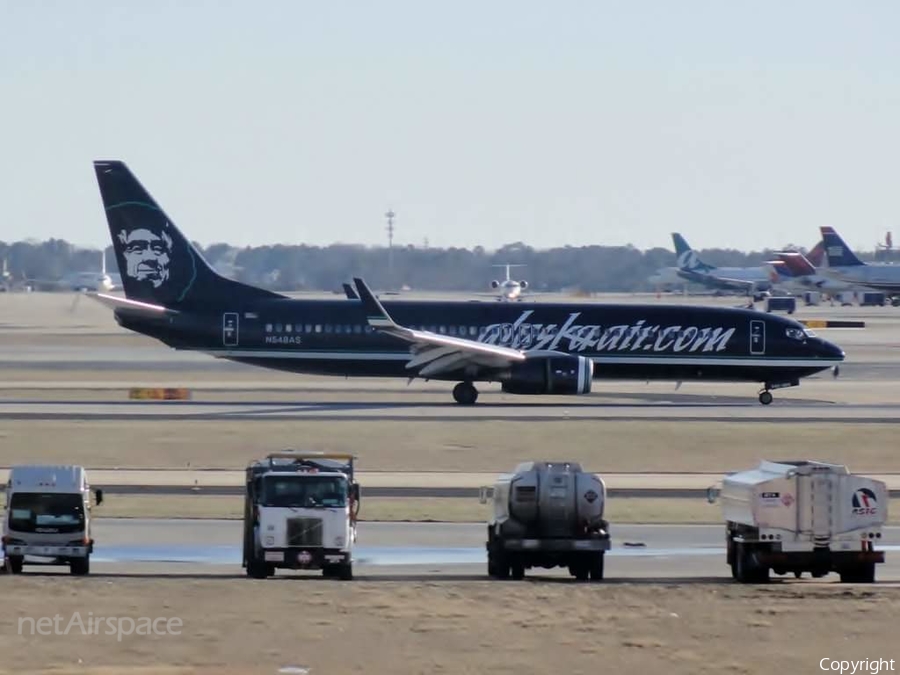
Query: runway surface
[160, 547]
[688, 409]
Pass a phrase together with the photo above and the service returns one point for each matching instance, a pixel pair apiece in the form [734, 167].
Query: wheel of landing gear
[465, 393]
[765, 397]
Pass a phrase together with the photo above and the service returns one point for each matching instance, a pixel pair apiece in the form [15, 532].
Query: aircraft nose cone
[829, 350]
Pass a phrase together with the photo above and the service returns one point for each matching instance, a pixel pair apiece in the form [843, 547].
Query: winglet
[349, 292]
[376, 315]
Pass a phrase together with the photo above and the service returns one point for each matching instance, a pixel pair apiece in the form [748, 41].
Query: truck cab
[300, 512]
[47, 519]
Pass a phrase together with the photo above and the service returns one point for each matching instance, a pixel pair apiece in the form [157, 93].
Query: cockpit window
[795, 333]
[809, 333]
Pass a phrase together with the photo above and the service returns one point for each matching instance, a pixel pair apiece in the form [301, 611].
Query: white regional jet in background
[98, 282]
[509, 288]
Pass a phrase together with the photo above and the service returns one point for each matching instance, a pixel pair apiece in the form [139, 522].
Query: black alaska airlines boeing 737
[173, 295]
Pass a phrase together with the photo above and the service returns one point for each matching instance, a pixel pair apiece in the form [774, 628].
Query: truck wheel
[859, 574]
[581, 570]
[14, 564]
[257, 569]
[498, 565]
[80, 566]
[597, 567]
[739, 566]
[345, 571]
[748, 571]
[517, 571]
[867, 573]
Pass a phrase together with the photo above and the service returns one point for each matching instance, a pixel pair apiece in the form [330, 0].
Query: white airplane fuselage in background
[89, 281]
[666, 278]
[509, 288]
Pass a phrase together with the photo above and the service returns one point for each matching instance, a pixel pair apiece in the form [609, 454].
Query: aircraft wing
[431, 353]
[707, 278]
[498, 296]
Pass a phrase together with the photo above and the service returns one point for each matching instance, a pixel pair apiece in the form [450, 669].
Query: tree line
[297, 268]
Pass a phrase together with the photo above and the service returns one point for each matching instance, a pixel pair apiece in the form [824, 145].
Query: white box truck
[300, 511]
[47, 520]
[548, 514]
[802, 516]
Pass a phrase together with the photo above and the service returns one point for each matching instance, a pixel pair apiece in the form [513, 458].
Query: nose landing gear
[765, 396]
[465, 393]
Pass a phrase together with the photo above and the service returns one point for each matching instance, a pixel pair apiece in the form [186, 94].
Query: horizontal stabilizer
[131, 306]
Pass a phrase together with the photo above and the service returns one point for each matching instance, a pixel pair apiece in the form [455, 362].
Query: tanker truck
[548, 514]
[801, 516]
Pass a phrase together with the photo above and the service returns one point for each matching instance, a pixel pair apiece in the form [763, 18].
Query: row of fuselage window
[344, 329]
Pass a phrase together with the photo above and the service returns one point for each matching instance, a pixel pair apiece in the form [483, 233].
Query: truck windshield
[304, 491]
[46, 512]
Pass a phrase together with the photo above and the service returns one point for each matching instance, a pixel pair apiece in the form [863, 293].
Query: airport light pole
[390, 230]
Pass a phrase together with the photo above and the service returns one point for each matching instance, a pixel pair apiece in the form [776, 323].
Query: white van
[48, 518]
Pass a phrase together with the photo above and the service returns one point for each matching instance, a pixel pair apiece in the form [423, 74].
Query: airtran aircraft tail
[838, 253]
[687, 257]
[158, 264]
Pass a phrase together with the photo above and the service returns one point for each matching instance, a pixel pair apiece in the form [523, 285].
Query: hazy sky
[741, 125]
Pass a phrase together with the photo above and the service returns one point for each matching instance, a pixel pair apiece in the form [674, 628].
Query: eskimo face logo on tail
[864, 502]
[147, 255]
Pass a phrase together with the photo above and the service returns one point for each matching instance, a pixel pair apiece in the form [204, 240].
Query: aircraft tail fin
[158, 264]
[777, 271]
[687, 257]
[837, 251]
[816, 256]
[797, 263]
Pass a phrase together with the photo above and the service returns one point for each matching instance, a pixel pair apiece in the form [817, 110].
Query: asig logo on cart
[864, 502]
[120, 626]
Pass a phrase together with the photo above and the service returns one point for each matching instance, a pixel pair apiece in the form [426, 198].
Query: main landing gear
[465, 393]
[765, 396]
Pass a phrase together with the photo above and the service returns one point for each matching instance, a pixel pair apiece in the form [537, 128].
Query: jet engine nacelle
[495, 284]
[523, 284]
[550, 375]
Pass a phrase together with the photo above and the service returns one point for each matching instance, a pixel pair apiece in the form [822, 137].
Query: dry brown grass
[492, 446]
[416, 625]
